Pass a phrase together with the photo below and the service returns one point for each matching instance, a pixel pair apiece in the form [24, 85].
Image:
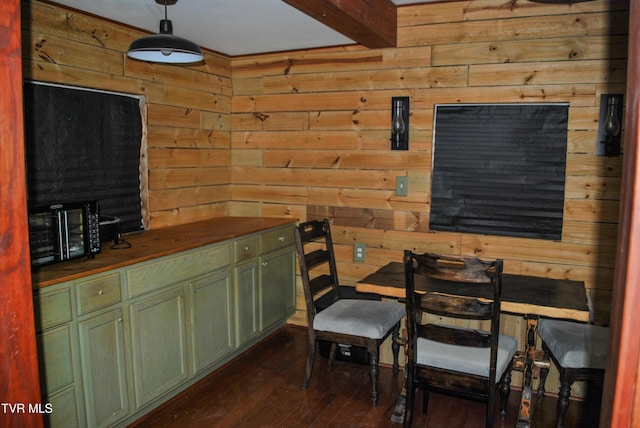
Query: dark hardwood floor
[262, 388]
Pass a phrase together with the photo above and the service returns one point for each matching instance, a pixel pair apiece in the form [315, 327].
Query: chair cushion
[466, 359]
[368, 318]
[574, 344]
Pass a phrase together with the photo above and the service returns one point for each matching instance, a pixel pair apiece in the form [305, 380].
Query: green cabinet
[116, 344]
[57, 347]
[64, 410]
[158, 344]
[212, 332]
[101, 329]
[245, 252]
[277, 277]
[277, 297]
[102, 349]
[246, 301]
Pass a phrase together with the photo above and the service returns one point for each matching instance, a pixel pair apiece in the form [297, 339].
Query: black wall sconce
[610, 125]
[400, 123]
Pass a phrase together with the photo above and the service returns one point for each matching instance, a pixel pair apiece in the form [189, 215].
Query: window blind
[499, 169]
[84, 145]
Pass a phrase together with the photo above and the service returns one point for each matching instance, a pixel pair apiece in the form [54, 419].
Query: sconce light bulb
[397, 126]
[612, 124]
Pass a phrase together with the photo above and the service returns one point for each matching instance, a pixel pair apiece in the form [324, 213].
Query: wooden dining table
[528, 296]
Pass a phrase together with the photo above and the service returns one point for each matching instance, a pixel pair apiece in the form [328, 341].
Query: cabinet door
[211, 319]
[277, 287]
[158, 344]
[63, 410]
[246, 298]
[55, 352]
[103, 368]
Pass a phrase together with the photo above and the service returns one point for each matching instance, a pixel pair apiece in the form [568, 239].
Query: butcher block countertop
[155, 243]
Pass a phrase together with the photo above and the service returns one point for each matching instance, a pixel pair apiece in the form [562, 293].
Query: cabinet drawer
[52, 308]
[275, 239]
[99, 292]
[173, 269]
[245, 249]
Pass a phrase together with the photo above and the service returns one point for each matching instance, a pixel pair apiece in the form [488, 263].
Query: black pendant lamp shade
[165, 47]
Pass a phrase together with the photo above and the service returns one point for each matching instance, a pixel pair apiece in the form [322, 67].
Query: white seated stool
[578, 350]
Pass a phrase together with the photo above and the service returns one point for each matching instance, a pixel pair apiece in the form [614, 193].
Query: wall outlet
[359, 252]
[402, 185]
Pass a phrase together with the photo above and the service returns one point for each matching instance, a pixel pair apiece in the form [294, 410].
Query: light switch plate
[402, 185]
[359, 252]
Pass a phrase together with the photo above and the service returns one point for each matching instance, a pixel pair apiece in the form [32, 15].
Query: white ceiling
[232, 27]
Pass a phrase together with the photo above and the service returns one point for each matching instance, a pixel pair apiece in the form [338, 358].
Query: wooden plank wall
[187, 107]
[310, 130]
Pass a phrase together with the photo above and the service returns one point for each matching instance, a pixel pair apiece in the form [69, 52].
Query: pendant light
[165, 47]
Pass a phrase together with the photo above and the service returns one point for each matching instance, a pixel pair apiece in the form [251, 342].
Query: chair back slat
[316, 258]
[464, 269]
[320, 283]
[455, 336]
[312, 230]
[467, 307]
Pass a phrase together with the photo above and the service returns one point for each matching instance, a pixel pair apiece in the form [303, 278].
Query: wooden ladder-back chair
[465, 362]
[355, 322]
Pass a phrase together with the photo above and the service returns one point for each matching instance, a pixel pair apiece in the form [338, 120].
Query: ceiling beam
[372, 23]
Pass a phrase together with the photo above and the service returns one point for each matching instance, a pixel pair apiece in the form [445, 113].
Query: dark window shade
[84, 145]
[499, 169]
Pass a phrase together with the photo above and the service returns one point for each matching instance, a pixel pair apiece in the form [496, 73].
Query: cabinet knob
[100, 293]
[281, 238]
[265, 264]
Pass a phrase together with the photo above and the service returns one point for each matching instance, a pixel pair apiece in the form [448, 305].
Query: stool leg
[373, 369]
[544, 371]
[311, 354]
[567, 377]
[332, 353]
[411, 396]
[425, 400]
[395, 347]
[505, 390]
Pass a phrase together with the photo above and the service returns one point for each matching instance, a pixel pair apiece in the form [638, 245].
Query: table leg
[398, 411]
[401, 405]
[531, 371]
